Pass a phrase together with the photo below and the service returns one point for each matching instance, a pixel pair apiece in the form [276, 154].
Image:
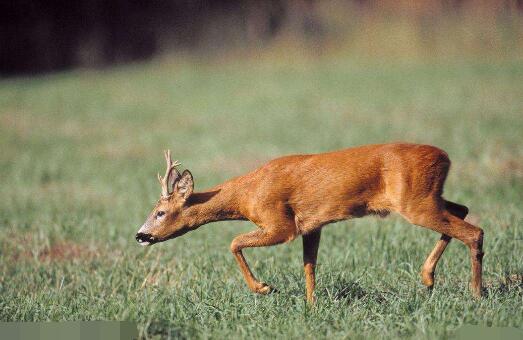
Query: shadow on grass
[346, 291]
[504, 285]
[498, 286]
[163, 329]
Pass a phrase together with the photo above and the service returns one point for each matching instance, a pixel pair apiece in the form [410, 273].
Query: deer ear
[185, 185]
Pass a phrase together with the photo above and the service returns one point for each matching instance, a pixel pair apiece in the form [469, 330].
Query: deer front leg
[311, 243]
[256, 238]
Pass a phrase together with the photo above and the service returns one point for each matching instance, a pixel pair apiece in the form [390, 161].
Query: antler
[168, 178]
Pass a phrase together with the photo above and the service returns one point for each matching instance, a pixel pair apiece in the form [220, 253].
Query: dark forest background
[47, 35]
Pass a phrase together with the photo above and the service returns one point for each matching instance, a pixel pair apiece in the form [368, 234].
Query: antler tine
[173, 164]
[168, 178]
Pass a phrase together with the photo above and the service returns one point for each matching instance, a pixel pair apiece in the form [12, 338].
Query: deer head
[166, 221]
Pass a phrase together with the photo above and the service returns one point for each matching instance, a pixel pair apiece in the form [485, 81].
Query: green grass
[80, 152]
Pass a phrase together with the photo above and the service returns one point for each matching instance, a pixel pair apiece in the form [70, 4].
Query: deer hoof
[477, 291]
[427, 279]
[264, 289]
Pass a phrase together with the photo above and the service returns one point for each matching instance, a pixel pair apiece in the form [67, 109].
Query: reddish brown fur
[298, 195]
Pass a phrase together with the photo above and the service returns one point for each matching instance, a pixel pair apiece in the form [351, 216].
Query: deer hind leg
[472, 236]
[256, 238]
[311, 243]
[454, 227]
[429, 266]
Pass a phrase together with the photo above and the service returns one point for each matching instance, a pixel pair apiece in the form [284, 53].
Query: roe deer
[299, 194]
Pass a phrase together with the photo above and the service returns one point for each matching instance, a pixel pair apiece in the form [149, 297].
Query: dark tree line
[47, 35]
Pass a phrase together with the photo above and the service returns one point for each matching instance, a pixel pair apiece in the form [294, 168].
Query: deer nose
[144, 239]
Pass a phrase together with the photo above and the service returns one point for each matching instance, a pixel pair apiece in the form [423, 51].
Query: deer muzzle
[145, 239]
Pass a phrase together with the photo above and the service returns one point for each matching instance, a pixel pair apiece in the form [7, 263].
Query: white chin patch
[144, 243]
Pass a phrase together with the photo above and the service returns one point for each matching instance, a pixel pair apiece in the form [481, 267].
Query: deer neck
[217, 204]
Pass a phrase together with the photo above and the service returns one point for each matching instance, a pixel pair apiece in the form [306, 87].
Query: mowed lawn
[78, 163]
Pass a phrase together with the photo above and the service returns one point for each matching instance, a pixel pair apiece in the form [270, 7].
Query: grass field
[80, 152]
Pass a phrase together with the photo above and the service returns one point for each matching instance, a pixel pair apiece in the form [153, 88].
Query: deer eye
[160, 214]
